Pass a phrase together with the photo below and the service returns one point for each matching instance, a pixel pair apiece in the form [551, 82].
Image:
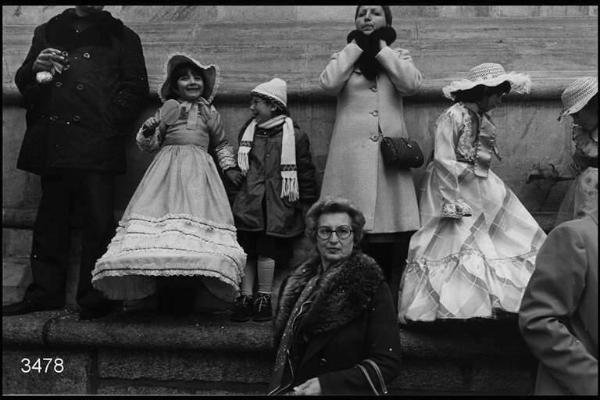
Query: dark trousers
[391, 257]
[51, 233]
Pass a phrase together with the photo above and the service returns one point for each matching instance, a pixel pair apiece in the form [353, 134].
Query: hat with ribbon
[275, 89]
[578, 94]
[210, 75]
[490, 75]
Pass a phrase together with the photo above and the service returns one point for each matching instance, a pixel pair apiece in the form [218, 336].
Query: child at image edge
[274, 156]
[178, 222]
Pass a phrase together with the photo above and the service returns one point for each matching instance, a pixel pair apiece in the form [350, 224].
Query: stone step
[149, 353]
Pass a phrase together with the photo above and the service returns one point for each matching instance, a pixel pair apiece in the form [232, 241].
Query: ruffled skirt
[469, 267]
[178, 223]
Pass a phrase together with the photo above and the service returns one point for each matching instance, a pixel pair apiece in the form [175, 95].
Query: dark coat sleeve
[551, 298]
[383, 348]
[132, 90]
[307, 184]
[25, 78]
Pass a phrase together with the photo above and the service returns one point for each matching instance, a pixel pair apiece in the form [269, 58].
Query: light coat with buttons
[355, 168]
[80, 118]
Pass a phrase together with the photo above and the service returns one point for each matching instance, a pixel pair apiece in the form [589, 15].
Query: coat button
[323, 361]
[86, 55]
[53, 118]
[76, 118]
[58, 84]
[374, 89]
[79, 86]
[374, 138]
[374, 113]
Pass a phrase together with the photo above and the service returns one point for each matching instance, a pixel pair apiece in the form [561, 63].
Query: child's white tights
[264, 267]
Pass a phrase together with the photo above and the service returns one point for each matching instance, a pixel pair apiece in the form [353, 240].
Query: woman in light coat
[370, 80]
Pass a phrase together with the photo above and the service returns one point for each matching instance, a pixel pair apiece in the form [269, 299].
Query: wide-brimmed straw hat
[578, 94]
[490, 75]
[210, 74]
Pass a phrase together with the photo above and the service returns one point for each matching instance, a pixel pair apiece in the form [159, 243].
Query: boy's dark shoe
[242, 309]
[262, 308]
[99, 310]
[31, 303]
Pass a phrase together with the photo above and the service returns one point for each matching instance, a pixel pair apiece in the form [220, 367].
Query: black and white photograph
[296, 200]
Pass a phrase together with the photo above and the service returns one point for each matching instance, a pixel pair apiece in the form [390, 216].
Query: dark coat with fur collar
[352, 318]
[77, 121]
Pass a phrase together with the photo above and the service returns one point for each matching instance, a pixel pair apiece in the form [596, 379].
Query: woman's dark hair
[329, 205]
[476, 93]
[182, 70]
[386, 12]
[279, 108]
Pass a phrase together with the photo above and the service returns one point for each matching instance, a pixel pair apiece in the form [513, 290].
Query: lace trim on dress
[162, 221]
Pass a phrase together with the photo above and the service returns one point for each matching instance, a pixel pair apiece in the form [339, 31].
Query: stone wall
[251, 44]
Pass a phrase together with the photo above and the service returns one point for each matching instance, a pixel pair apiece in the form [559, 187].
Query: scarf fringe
[289, 174]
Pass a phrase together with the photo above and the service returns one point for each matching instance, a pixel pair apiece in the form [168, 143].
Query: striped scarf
[289, 175]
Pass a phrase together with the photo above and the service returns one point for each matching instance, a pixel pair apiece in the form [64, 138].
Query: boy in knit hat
[274, 157]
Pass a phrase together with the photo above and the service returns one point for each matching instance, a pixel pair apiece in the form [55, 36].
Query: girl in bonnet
[274, 157]
[178, 222]
[476, 250]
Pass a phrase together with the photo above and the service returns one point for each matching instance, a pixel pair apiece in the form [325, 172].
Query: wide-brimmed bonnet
[578, 94]
[490, 75]
[210, 74]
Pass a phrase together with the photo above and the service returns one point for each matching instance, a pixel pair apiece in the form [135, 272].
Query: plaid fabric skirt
[469, 267]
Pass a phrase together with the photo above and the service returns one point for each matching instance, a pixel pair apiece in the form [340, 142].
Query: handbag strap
[379, 375]
[368, 378]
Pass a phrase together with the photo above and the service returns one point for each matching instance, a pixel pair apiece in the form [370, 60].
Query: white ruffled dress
[178, 222]
[468, 267]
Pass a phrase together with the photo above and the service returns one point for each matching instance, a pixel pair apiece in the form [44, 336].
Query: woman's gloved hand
[387, 34]
[359, 38]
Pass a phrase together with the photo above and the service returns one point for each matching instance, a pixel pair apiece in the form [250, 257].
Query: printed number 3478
[42, 365]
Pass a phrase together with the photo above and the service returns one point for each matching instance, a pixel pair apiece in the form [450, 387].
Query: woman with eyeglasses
[335, 326]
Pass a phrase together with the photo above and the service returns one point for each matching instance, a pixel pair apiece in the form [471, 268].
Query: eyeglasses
[342, 232]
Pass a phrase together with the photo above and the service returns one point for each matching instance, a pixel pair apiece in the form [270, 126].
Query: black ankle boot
[262, 308]
[242, 309]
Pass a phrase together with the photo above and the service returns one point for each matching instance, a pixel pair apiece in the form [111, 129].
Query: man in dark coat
[83, 82]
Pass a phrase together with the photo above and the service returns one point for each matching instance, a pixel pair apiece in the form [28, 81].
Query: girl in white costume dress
[476, 249]
[178, 222]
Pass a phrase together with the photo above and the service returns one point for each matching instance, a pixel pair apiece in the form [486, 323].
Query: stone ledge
[548, 88]
[214, 332]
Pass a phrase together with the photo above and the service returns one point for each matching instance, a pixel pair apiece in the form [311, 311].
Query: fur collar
[60, 32]
[342, 295]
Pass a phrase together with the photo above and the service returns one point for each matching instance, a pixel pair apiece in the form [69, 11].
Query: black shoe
[28, 305]
[262, 308]
[242, 309]
[92, 313]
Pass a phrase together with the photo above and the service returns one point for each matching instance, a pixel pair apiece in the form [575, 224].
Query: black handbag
[401, 152]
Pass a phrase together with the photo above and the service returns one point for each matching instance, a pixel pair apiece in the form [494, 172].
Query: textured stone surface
[183, 366]
[154, 354]
[430, 376]
[29, 329]
[16, 276]
[109, 386]
[149, 330]
[74, 378]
